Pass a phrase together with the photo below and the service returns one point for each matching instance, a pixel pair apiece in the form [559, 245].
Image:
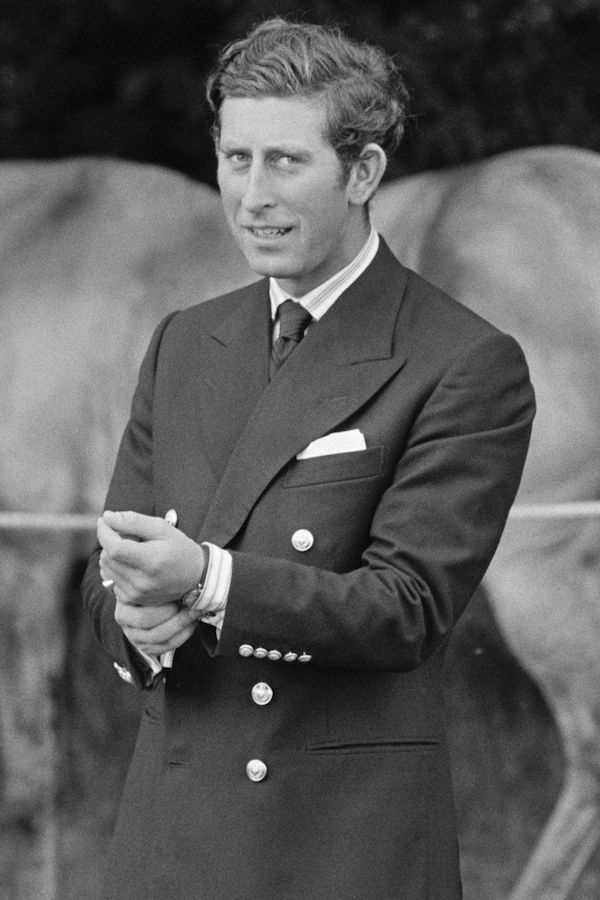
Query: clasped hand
[152, 565]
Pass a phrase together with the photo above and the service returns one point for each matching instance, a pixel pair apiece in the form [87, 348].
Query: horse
[93, 252]
[516, 238]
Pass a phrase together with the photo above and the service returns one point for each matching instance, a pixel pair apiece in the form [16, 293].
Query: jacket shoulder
[427, 309]
[429, 303]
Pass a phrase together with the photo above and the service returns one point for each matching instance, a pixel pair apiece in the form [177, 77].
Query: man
[338, 483]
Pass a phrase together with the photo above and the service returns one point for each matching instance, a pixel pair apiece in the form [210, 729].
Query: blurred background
[125, 79]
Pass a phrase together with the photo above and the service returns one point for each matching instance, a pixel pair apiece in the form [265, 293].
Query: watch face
[191, 597]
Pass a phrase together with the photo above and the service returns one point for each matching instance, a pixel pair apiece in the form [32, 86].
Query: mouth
[266, 232]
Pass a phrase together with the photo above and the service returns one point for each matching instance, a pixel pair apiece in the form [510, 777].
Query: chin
[262, 265]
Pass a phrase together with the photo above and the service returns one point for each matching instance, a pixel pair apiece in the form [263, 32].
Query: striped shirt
[321, 298]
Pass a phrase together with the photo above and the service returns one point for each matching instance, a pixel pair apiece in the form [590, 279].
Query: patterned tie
[293, 321]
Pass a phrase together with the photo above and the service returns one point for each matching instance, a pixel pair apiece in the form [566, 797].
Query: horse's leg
[568, 841]
[31, 659]
[546, 602]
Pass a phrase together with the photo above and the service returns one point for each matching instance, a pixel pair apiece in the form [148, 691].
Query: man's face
[283, 192]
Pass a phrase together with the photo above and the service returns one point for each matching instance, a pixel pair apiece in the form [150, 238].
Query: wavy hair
[365, 95]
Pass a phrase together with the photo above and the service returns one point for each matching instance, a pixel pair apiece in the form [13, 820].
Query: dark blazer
[356, 803]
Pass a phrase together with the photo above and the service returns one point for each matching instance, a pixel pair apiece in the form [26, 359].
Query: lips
[266, 231]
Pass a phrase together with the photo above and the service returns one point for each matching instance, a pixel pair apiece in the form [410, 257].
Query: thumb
[134, 525]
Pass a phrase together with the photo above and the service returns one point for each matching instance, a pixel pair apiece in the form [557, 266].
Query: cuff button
[123, 673]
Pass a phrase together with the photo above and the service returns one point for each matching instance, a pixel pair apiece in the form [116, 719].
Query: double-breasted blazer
[349, 632]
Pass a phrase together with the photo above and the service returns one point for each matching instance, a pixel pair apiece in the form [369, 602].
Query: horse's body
[93, 253]
[517, 238]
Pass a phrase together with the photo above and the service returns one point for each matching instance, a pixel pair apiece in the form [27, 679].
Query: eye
[286, 161]
[237, 158]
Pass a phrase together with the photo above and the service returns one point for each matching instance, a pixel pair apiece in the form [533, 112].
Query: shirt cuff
[212, 600]
[153, 663]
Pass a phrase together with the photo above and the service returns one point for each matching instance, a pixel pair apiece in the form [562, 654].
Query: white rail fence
[38, 521]
[34, 869]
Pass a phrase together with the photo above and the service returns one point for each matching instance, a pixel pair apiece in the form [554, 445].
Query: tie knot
[293, 320]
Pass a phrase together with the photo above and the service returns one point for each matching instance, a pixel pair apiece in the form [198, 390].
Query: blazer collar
[340, 364]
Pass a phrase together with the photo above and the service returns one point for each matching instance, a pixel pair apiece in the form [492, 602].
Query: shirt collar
[321, 298]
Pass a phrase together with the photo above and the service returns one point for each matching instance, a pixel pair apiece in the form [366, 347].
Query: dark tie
[293, 321]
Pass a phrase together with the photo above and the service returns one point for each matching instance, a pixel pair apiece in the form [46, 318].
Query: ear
[365, 174]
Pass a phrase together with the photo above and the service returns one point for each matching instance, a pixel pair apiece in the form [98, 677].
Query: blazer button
[290, 657]
[256, 770]
[304, 657]
[302, 540]
[123, 673]
[246, 650]
[275, 655]
[260, 653]
[262, 693]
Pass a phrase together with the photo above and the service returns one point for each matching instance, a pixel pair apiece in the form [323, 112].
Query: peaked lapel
[233, 362]
[340, 364]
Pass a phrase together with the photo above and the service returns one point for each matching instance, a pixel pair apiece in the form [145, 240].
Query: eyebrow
[283, 149]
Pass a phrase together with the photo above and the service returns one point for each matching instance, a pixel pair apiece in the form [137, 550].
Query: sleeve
[130, 488]
[432, 536]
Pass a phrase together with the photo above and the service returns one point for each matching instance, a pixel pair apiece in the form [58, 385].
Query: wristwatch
[191, 597]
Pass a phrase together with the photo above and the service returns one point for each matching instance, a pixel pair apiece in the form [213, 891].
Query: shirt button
[246, 650]
[260, 653]
[302, 540]
[304, 657]
[290, 657]
[262, 693]
[275, 655]
[256, 770]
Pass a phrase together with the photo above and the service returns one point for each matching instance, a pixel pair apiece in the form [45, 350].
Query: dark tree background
[126, 77]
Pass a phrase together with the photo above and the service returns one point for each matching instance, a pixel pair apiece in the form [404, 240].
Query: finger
[128, 596]
[164, 637]
[106, 573]
[108, 538]
[157, 649]
[144, 618]
[129, 524]
[103, 566]
[127, 555]
[123, 573]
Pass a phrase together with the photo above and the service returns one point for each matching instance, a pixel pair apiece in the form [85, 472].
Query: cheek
[229, 204]
[227, 189]
[326, 218]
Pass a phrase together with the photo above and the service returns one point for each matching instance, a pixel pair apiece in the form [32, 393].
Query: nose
[258, 192]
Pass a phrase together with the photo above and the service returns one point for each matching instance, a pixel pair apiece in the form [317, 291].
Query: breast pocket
[336, 467]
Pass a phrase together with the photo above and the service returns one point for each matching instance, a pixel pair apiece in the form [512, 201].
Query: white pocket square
[336, 442]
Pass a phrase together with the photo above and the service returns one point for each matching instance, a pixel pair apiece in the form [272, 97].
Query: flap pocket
[336, 467]
[376, 746]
